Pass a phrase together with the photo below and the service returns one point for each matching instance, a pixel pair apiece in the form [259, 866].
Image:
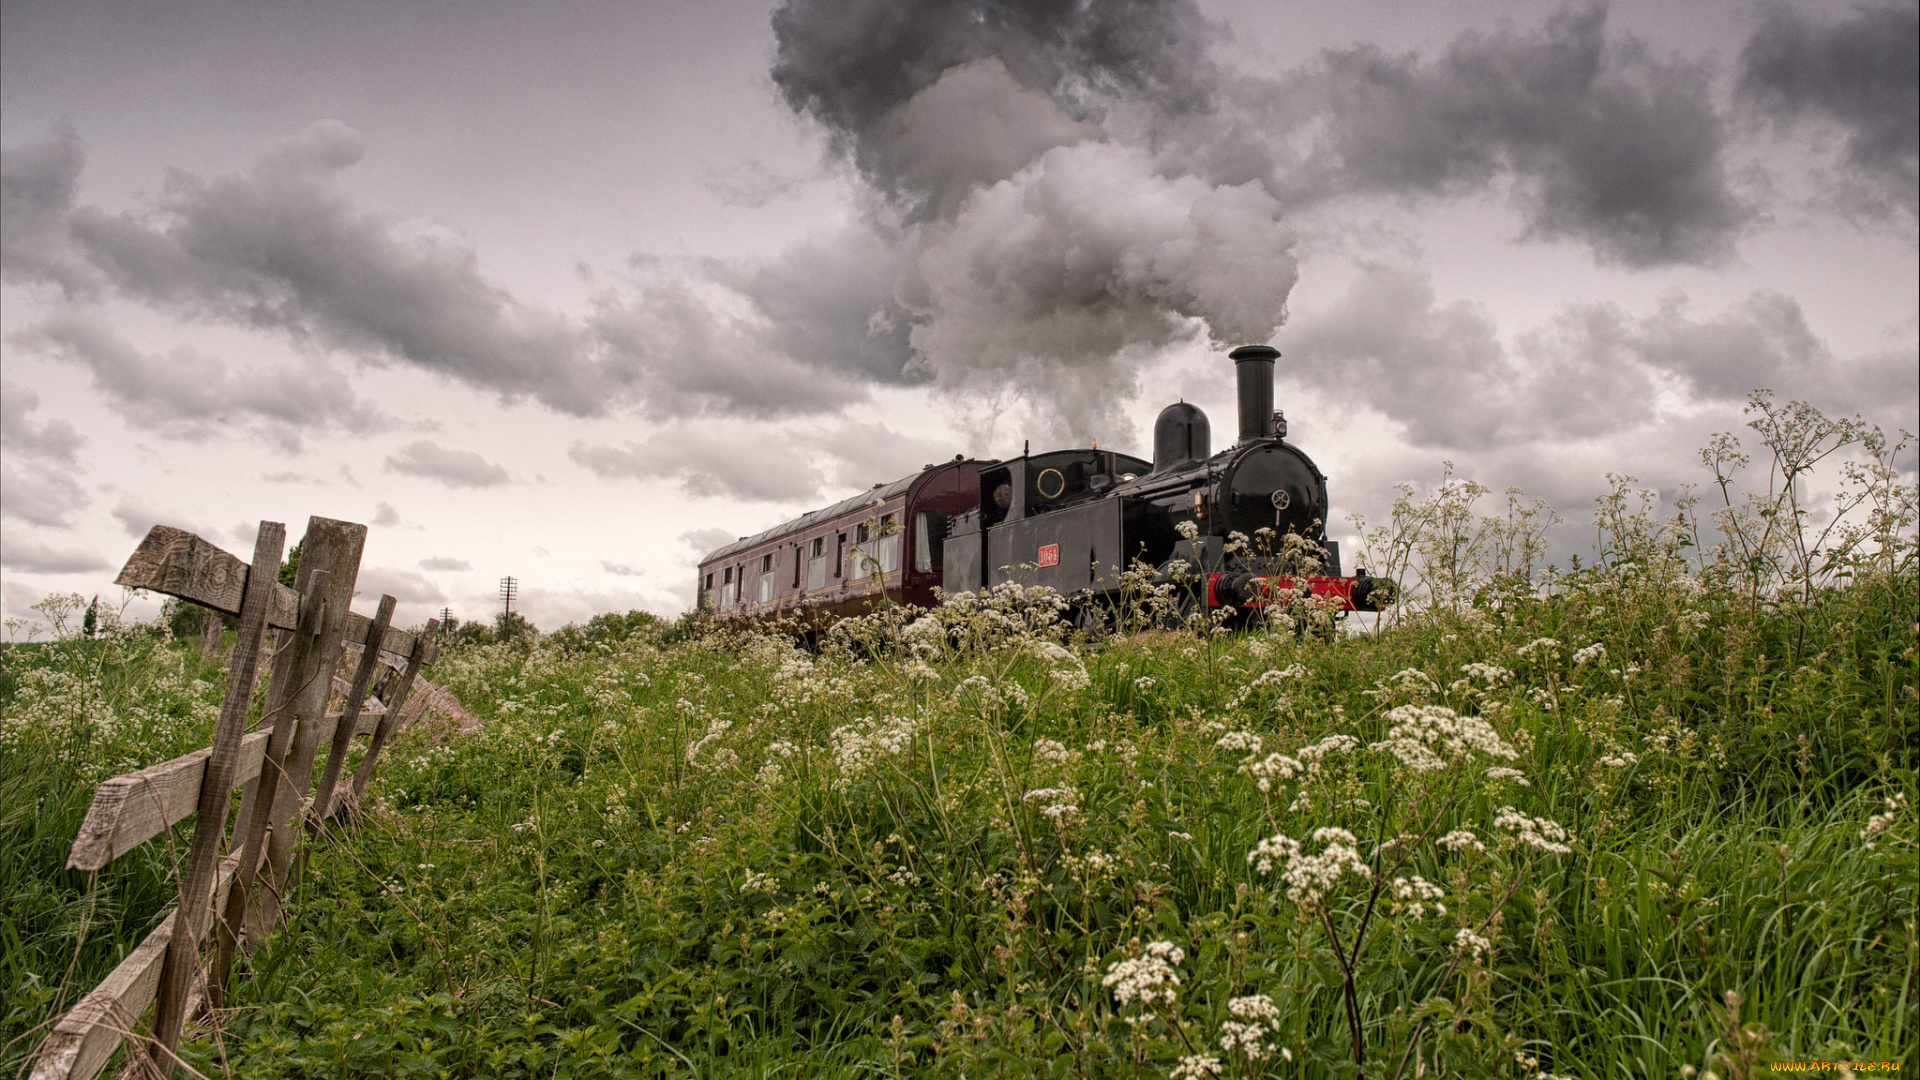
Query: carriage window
[819, 546]
[709, 581]
[766, 562]
[727, 575]
[860, 532]
[796, 565]
[929, 540]
[839, 554]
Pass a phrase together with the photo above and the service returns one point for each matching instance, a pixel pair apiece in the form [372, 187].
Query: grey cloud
[55, 441]
[859, 68]
[707, 464]
[39, 494]
[404, 585]
[39, 183]
[1442, 370]
[777, 465]
[385, 515]
[32, 558]
[1608, 143]
[281, 247]
[831, 305]
[684, 356]
[705, 540]
[443, 562]
[751, 184]
[620, 569]
[454, 468]
[190, 395]
[1861, 72]
[136, 516]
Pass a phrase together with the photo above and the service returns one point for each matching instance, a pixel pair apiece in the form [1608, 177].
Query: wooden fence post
[350, 717]
[424, 651]
[340, 555]
[216, 791]
[289, 666]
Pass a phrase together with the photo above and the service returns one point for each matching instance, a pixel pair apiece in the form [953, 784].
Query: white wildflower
[1620, 760]
[1415, 893]
[1310, 877]
[1061, 803]
[1332, 744]
[1147, 978]
[1468, 943]
[1188, 530]
[1490, 673]
[758, 882]
[1273, 767]
[1279, 848]
[1595, 651]
[1255, 1007]
[1504, 773]
[1541, 645]
[1539, 834]
[1243, 741]
[1049, 750]
[1419, 732]
[1195, 1067]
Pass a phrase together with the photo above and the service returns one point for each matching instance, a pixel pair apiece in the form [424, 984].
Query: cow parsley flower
[1595, 651]
[1277, 849]
[1416, 893]
[1273, 767]
[1461, 840]
[1147, 978]
[1241, 741]
[1540, 834]
[1421, 733]
[1195, 1067]
[1468, 943]
[1049, 750]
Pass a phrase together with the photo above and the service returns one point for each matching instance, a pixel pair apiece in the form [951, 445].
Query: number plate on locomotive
[1049, 555]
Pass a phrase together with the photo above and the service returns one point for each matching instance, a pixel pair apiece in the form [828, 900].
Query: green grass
[724, 857]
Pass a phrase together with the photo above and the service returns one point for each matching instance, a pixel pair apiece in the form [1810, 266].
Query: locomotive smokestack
[1253, 365]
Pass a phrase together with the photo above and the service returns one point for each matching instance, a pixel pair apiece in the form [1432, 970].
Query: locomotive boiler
[1074, 520]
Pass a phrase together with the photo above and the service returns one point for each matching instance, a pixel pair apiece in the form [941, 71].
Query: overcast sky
[574, 291]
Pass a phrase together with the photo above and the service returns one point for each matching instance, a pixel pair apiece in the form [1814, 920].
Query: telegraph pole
[509, 588]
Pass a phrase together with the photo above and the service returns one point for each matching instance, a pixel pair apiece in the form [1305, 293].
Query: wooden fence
[231, 882]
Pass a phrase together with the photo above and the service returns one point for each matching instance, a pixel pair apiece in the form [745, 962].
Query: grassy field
[1653, 816]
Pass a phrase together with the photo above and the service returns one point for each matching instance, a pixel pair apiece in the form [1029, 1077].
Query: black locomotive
[1070, 519]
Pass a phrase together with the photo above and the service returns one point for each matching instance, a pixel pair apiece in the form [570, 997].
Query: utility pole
[446, 618]
[509, 588]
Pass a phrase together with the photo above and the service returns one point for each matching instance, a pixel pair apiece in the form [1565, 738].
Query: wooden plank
[83, 1040]
[133, 808]
[178, 563]
[215, 798]
[343, 734]
[423, 650]
[332, 549]
[293, 669]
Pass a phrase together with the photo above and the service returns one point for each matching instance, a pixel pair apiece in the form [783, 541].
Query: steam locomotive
[1069, 519]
